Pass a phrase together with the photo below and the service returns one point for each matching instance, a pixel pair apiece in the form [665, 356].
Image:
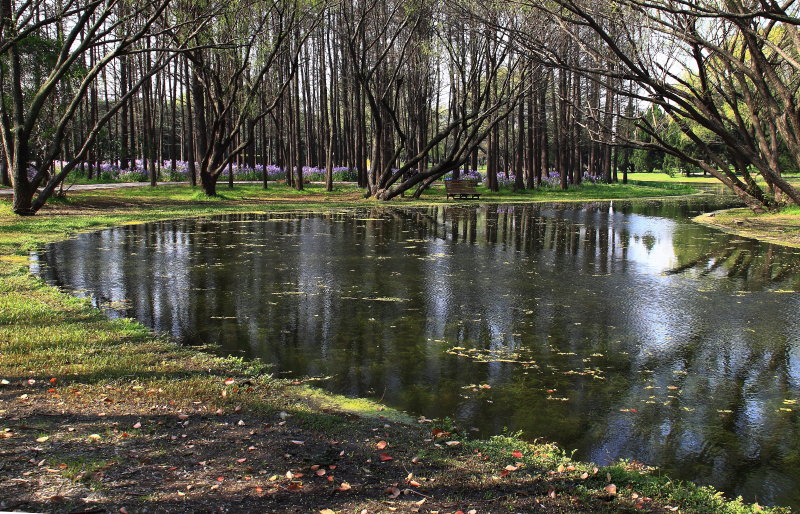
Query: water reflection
[622, 330]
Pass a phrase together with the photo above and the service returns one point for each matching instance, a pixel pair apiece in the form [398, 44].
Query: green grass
[677, 178]
[781, 227]
[664, 178]
[581, 478]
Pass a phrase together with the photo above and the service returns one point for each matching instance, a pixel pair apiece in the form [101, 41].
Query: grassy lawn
[682, 179]
[675, 179]
[781, 228]
[99, 413]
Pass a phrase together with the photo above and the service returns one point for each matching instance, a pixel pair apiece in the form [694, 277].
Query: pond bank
[104, 413]
[781, 228]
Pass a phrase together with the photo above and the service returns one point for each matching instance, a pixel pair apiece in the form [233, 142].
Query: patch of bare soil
[61, 452]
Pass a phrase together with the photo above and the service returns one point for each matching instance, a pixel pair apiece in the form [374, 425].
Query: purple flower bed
[465, 175]
[552, 179]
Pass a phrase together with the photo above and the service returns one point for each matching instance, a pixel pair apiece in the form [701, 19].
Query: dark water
[621, 330]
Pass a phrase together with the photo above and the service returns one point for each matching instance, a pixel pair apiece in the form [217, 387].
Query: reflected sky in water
[621, 330]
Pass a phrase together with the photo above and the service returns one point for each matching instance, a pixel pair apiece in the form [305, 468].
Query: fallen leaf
[511, 467]
[137, 425]
[385, 457]
[381, 445]
[344, 486]
[42, 439]
[517, 454]
[229, 381]
[453, 443]
[611, 489]
[393, 492]
[327, 511]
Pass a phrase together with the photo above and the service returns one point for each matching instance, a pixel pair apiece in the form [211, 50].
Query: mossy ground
[104, 414]
[781, 228]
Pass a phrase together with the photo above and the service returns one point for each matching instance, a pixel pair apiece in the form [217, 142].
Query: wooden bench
[464, 189]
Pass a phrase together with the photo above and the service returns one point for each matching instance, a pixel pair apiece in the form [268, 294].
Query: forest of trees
[399, 93]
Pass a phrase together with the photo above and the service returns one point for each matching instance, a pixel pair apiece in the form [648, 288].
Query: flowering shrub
[594, 179]
[111, 171]
[502, 180]
[465, 175]
[552, 179]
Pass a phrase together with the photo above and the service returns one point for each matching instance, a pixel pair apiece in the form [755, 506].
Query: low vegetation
[780, 228]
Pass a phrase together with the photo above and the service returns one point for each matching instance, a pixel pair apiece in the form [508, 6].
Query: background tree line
[397, 94]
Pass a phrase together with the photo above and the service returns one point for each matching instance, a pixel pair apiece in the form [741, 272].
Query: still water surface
[622, 330]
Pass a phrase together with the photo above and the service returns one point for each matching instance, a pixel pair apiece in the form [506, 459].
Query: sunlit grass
[677, 178]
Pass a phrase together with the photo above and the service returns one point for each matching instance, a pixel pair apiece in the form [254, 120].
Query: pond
[622, 330]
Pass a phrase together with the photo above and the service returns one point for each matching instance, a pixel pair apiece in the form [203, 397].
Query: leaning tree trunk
[23, 190]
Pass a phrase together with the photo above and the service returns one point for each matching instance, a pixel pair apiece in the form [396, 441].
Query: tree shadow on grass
[234, 463]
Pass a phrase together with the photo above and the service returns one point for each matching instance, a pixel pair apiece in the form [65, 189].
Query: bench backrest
[461, 184]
